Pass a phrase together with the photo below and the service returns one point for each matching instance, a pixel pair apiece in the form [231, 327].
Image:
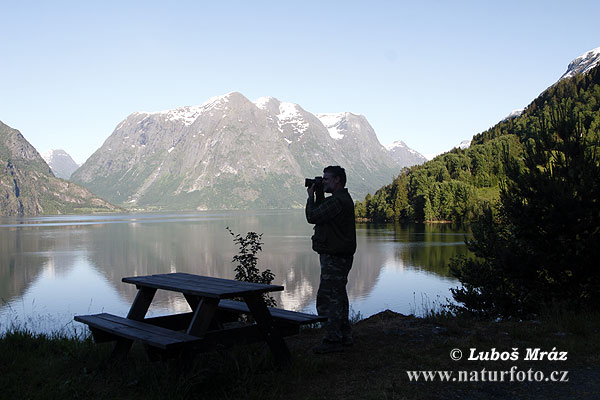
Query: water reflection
[55, 267]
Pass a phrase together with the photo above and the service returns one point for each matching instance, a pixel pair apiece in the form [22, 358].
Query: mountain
[28, 187]
[344, 126]
[580, 65]
[231, 153]
[456, 185]
[583, 64]
[404, 155]
[60, 162]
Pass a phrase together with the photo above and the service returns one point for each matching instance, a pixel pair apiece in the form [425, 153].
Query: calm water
[54, 267]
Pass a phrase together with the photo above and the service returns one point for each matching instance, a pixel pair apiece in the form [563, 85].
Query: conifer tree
[540, 246]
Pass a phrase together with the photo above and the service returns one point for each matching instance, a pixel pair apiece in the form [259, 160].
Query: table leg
[203, 316]
[140, 305]
[193, 301]
[265, 324]
[138, 311]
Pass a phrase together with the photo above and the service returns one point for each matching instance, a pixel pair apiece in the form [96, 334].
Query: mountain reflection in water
[54, 267]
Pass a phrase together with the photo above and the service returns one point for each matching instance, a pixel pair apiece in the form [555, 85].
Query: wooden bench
[279, 315]
[107, 327]
[163, 333]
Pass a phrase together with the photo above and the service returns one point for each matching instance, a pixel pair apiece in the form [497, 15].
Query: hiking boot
[328, 347]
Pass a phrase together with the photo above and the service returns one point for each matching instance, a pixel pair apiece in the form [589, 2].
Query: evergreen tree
[540, 246]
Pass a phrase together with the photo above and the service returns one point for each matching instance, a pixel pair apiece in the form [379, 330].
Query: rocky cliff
[232, 153]
[28, 187]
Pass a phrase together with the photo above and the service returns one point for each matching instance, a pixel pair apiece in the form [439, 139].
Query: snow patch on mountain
[396, 144]
[333, 123]
[399, 144]
[47, 156]
[60, 162]
[54, 155]
[188, 114]
[290, 114]
[583, 64]
[464, 144]
[514, 114]
[263, 102]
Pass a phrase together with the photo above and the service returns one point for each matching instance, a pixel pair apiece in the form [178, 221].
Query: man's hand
[311, 192]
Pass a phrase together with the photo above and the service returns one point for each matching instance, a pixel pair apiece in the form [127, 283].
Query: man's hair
[336, 170]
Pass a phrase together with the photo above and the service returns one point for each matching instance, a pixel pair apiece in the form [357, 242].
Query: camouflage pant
[332, 299]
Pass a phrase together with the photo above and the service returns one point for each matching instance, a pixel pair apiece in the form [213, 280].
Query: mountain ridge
[230, 152]
[28, 186]
[582, 64]
[60, 162]
[457, 184]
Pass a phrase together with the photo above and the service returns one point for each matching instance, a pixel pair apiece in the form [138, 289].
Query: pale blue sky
[431, 73]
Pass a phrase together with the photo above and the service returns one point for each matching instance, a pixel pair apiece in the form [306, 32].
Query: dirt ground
[387, 345]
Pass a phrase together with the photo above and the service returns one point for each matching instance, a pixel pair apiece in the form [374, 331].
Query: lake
[54, 267]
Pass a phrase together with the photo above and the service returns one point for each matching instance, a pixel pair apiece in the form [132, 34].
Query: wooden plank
[101, 336]
[226, 285]
[228, 282]
[277, 313]
[156, 330]
[201, 285]
[135, 330]
[165, 283]
[159, 282]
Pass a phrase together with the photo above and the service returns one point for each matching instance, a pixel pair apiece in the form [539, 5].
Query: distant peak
[333, 124]
[396, 144]
[583, 64]
[287, 107]
[337, 116]
[331, 116]
[464, 144]
[514, 114]
[189, 114]
[49, 155]
[263, 102]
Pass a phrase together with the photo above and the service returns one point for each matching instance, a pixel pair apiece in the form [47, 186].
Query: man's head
[334, 179]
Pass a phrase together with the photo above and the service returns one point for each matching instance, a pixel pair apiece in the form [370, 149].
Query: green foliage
[583, 91]
[458, 185]
[540, 246]
[246, 269]
[455, 186]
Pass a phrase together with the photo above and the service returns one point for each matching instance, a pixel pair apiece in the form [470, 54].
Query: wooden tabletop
[198, 285]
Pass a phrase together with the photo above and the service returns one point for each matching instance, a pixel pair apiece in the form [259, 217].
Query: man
[335, 241]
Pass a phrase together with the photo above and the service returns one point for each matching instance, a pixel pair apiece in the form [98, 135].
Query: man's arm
[324, 211]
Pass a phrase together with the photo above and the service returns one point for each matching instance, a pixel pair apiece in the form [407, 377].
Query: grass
[386, 346]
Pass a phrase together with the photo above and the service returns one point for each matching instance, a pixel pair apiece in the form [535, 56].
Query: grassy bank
[387, 345]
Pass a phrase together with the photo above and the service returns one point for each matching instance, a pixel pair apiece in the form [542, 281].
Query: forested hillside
[455, 185]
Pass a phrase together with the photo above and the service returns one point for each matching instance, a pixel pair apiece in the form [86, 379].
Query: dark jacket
[335, 230]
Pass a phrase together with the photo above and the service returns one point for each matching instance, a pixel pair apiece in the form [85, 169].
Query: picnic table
[208, 326]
